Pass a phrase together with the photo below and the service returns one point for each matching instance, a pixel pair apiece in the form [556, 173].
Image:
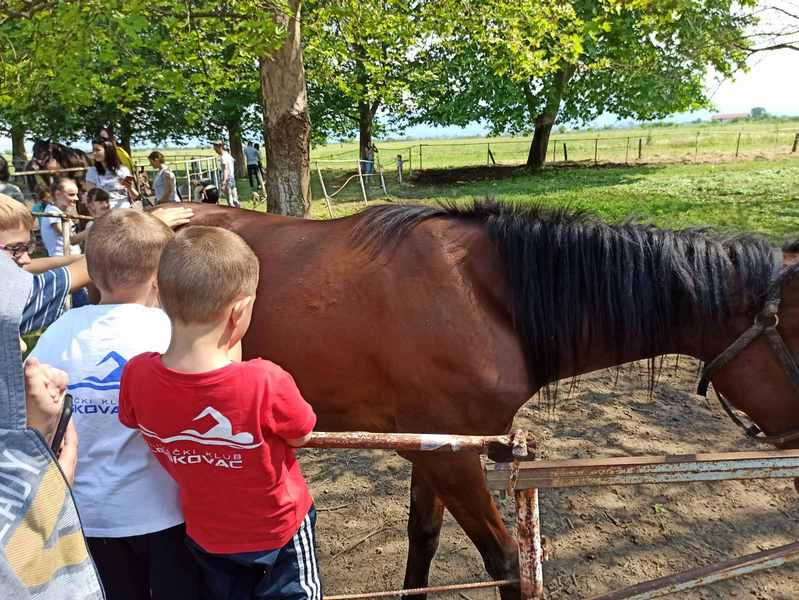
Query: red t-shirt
[222, 435]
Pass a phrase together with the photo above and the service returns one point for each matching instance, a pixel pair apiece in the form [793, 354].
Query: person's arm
[127, 181]
[68, 453]
[46, 301]
[174, 216]
[45, 387]
[40, 265]
[288, 414]
[78, 274]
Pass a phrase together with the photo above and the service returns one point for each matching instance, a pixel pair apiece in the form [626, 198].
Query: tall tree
[287, 127]
[521, 65]
[361, 58]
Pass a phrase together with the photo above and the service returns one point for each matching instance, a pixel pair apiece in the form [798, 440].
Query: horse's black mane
[572, 275]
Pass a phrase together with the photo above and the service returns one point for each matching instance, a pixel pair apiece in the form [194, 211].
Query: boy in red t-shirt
[225, 430]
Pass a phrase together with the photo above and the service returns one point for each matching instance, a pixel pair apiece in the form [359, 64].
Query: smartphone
[66, 415]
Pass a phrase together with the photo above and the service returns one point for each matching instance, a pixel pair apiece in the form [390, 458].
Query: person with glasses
[53, 277]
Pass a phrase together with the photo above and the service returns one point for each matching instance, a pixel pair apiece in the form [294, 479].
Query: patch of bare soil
[467, 174]
[600, 538]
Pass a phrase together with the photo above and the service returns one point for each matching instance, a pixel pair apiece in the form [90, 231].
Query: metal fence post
[531, 554]
[420, 156]
[565, 153]
[640, 148]
[596, 149]
[188, 181]
[795, 142]
[738, 144]
[696, 148]
[627, 151]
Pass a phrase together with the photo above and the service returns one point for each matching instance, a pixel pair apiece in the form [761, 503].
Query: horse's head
[42, 151]
[755, 365]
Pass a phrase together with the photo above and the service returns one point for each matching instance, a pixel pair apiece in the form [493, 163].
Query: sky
[770, 82]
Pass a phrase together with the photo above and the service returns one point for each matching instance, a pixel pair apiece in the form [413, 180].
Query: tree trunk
[538, 148]
[286, 125]
[546, 119]
[125, 134]
[19, 157]
[365, 119]
[237, 149]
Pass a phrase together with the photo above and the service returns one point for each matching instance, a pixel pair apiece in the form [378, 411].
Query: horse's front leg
[424, 527]
[459, 481]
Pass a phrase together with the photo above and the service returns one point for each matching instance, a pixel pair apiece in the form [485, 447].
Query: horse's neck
[601, 353]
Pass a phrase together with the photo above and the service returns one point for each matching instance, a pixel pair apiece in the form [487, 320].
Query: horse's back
[377, 337]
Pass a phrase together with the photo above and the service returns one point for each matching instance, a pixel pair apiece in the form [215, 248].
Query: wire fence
[646, 146]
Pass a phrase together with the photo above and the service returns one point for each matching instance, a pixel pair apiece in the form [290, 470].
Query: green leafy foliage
[510, 63]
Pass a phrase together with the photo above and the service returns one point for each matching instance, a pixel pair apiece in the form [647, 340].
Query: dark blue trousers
[288, 573]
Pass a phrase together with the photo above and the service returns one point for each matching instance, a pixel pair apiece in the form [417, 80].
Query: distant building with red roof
[729, 117]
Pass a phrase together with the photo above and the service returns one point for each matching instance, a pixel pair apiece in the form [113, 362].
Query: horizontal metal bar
[436, 589]
[63, 217]
[49, 171]
[702, 576]
[646, 469]
[425, 442]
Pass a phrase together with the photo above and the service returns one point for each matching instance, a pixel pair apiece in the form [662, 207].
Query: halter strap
[766, 322]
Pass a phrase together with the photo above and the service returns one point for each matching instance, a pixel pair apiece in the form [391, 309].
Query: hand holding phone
[63, 422]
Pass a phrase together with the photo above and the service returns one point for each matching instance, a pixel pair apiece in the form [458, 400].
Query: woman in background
[111, 176]
[164, 184]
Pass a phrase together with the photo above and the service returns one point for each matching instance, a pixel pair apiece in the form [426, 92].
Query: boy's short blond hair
[14, 214]
[203, 271]
[123, 248]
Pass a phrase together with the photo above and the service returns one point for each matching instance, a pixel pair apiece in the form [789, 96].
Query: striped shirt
[46, 301]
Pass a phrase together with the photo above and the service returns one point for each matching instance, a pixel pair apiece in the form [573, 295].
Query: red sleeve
[285, 412]
[127, 416]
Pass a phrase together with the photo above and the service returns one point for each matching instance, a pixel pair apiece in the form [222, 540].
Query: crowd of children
[186, 480]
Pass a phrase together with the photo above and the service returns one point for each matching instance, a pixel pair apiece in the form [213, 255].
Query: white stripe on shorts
[312, 568]
[302, 563]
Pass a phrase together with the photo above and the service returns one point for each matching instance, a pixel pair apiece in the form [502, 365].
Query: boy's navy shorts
[290, 572]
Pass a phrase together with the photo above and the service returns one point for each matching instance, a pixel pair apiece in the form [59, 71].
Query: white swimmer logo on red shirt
[220, 434]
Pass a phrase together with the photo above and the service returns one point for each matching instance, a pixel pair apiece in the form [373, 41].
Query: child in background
[128, 505]
[225, 430]
[98, 202]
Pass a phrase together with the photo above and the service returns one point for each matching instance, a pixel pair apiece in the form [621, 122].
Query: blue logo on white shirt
[110, 381]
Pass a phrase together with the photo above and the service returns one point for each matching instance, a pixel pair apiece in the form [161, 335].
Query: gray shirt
[163, 176]
[43, 554]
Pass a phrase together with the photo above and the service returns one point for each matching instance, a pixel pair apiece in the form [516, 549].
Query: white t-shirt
[120, 488]
[226, 160]
[111, 183]
[53, 242]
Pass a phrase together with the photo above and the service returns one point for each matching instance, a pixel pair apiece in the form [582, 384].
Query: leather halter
[766, 322]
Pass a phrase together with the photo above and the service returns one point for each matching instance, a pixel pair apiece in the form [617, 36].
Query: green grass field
[677, 182]
[757, 195]
[679, 142]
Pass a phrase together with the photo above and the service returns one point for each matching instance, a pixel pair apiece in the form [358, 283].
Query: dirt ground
[600, 538]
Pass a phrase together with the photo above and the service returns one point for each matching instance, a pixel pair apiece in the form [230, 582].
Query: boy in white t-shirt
[65, 197]
[128, 504]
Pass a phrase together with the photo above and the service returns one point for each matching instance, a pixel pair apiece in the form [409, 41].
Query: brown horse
[445, 320]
